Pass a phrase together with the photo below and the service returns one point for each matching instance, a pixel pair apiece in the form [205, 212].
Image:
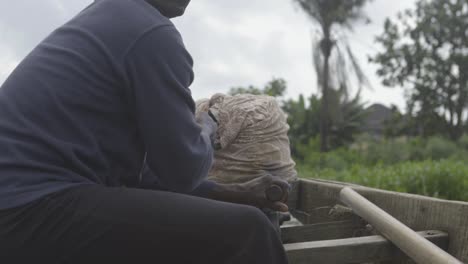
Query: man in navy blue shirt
[102, 160]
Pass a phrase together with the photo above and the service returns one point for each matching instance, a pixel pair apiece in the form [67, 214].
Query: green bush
[339, 159]
[416, 148]
[445, 179]
[386, 152]
[463, 142]
[434, 167]
[393, 151]
[440, 148]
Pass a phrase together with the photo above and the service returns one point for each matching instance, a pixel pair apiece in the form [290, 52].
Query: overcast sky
[233, 42]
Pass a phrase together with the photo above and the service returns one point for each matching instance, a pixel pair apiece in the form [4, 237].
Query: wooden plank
[303, 217]
[419, 249]
[324, 231]
[354, 250]
[294, 195]
[321, 215]
[415, 211]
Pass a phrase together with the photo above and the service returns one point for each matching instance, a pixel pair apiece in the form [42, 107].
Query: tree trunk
[326, 46]
[461, 104]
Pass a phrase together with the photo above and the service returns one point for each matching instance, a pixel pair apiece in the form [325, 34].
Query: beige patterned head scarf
[252, 138]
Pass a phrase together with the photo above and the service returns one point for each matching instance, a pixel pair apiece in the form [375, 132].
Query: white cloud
[60, 6]
[249, 41]
[233, 43]
[7, 65]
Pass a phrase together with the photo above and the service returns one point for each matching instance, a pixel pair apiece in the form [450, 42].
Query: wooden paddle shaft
[416, 247]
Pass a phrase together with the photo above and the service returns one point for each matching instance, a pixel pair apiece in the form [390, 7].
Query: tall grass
[433, 167]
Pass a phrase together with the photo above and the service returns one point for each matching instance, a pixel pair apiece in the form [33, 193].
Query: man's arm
[178, 149]
[252, 193]
[249, 193]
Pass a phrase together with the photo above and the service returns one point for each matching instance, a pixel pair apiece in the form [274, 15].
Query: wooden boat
[332, 233]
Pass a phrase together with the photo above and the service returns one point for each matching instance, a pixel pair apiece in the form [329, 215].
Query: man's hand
[251, 193]
[255, 193]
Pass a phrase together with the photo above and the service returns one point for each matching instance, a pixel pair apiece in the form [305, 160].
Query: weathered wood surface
[322, 215]
[294, 194]
[417, 212]
[323, 231]
[412, 244]
[354, 250]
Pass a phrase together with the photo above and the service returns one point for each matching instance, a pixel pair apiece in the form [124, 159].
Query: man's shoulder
[120, 22]
[126, 13]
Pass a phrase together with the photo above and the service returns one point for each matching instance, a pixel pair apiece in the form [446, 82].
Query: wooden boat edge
[315, 198]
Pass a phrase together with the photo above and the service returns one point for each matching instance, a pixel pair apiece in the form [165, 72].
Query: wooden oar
[415, 246]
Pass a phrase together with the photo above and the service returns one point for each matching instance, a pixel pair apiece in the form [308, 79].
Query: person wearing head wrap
[102, 159]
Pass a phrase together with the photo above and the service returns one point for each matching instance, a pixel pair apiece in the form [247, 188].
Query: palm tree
[331, 17]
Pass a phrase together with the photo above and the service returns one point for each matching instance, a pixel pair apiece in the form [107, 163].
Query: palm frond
[363, 81]
[328, 12]
[317, 60]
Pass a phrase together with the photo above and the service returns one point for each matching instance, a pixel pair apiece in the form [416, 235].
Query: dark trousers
[96, 224]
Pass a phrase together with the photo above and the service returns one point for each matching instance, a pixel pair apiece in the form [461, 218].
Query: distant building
[374, 123]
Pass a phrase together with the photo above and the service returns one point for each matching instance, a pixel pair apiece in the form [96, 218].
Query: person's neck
[166, 7]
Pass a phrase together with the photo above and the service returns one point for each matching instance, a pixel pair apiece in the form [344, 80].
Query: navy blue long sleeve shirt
[96, 96]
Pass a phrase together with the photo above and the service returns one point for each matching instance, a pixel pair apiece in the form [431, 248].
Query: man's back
[69, 112]
[81, 111]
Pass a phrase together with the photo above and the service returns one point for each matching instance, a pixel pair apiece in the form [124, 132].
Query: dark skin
[170, 8]
[252, 193]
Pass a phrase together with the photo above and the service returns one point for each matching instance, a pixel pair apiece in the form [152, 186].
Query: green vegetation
[422, 151]
[276, 87]
[423, 50]
[333, 59]
[434, 167]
